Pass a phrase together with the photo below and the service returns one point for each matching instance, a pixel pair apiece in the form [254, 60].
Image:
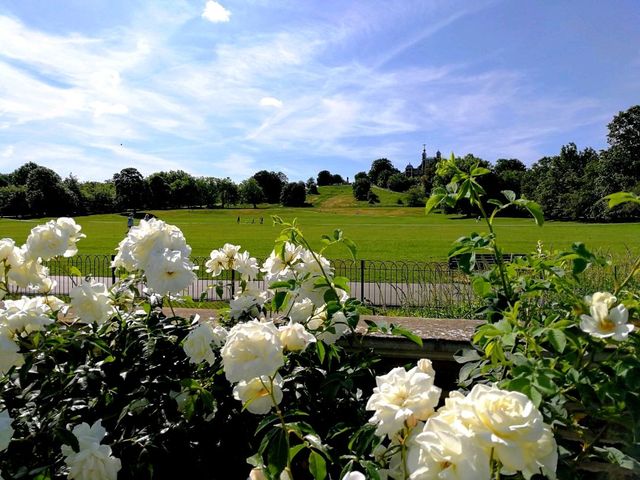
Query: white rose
[354, 476]
[93, 463]
[9, 255]
[607, 323]
[9, 356]
[169, 272]
[402, 398]
[257, 474]
[216, 263]
[252, 349]
[6, 430]
[243, 304]
[197, 345]
[510, 424]
[301, 311]
[601, 297]
[56, 237]
[91, 303]
[246, 266]
[295, 337]
[220, 335]
[29, 274]
[25, 315]
[255, 394]
[444, 450]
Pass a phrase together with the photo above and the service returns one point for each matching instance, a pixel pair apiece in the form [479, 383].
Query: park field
[380, 232]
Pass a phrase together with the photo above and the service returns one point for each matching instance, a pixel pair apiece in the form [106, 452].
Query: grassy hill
[341, 196]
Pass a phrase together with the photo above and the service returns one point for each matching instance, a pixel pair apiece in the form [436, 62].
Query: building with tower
[411, 171]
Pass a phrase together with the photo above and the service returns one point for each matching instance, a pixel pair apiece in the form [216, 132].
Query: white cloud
[270, 102]
[216, 13]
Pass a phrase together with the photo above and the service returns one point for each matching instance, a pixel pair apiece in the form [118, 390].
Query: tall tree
[271, 184]
[130, 188]
[251, 192]
[324, 178]
[361, 188]
[227, 192]
[293, 194]
[46, 194]
[378, 167]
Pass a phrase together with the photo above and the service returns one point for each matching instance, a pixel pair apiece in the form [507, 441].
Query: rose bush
[109, 386]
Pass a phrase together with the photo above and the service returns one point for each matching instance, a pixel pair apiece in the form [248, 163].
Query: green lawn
[383, 232]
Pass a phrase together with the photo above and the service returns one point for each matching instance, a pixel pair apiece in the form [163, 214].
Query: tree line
[568, 186]
[36, 191]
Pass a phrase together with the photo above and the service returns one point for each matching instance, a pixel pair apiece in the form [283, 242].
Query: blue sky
[230, 88]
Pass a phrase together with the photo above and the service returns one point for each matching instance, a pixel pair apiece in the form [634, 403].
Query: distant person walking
[130, 221]
[238, 221]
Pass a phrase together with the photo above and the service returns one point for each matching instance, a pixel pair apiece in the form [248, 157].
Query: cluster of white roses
[459, 440]
[606, 319]
[21, 267]
[92, 460]
[160, 252]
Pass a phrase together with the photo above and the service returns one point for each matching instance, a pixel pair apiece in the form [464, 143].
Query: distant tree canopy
[293, 194]
[130, 188]
[361, 188]
[251, 192]
[271, 184]
[381, 170]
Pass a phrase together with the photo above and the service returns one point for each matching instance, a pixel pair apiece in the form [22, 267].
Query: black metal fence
[376, 283]
[434, 287]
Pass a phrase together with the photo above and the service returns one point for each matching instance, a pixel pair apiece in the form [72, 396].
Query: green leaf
[478, 171]
[407, 334]
[350, 244]
[321, 351]
[277, 453]
[534, 209]
[74, 271]
[618, 198]
[317, 466]
[509, 195]
[558, 339]
[342, 283]
[481, 287]
[278, 300]
[433, 202]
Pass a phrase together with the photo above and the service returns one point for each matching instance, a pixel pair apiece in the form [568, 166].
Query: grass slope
[382, 232]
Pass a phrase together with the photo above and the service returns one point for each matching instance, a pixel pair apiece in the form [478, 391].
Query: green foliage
[534, 340]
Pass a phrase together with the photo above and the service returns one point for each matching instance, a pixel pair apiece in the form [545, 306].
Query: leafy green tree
[13, 201]
[271, 184]
[337, 179]
[228, 192]
[46, 194]
[361, 175]
[324, 178]
[415, 196]
[130, 188]
[207, 189]
[251, 192]
[399, 182]
[312, 187]
[372, 197]
[361, 188]
[378, 167]
[19, 175]
[510, 173]
[100, 197]
[293, 195]
[78, 201]
[159, 190]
